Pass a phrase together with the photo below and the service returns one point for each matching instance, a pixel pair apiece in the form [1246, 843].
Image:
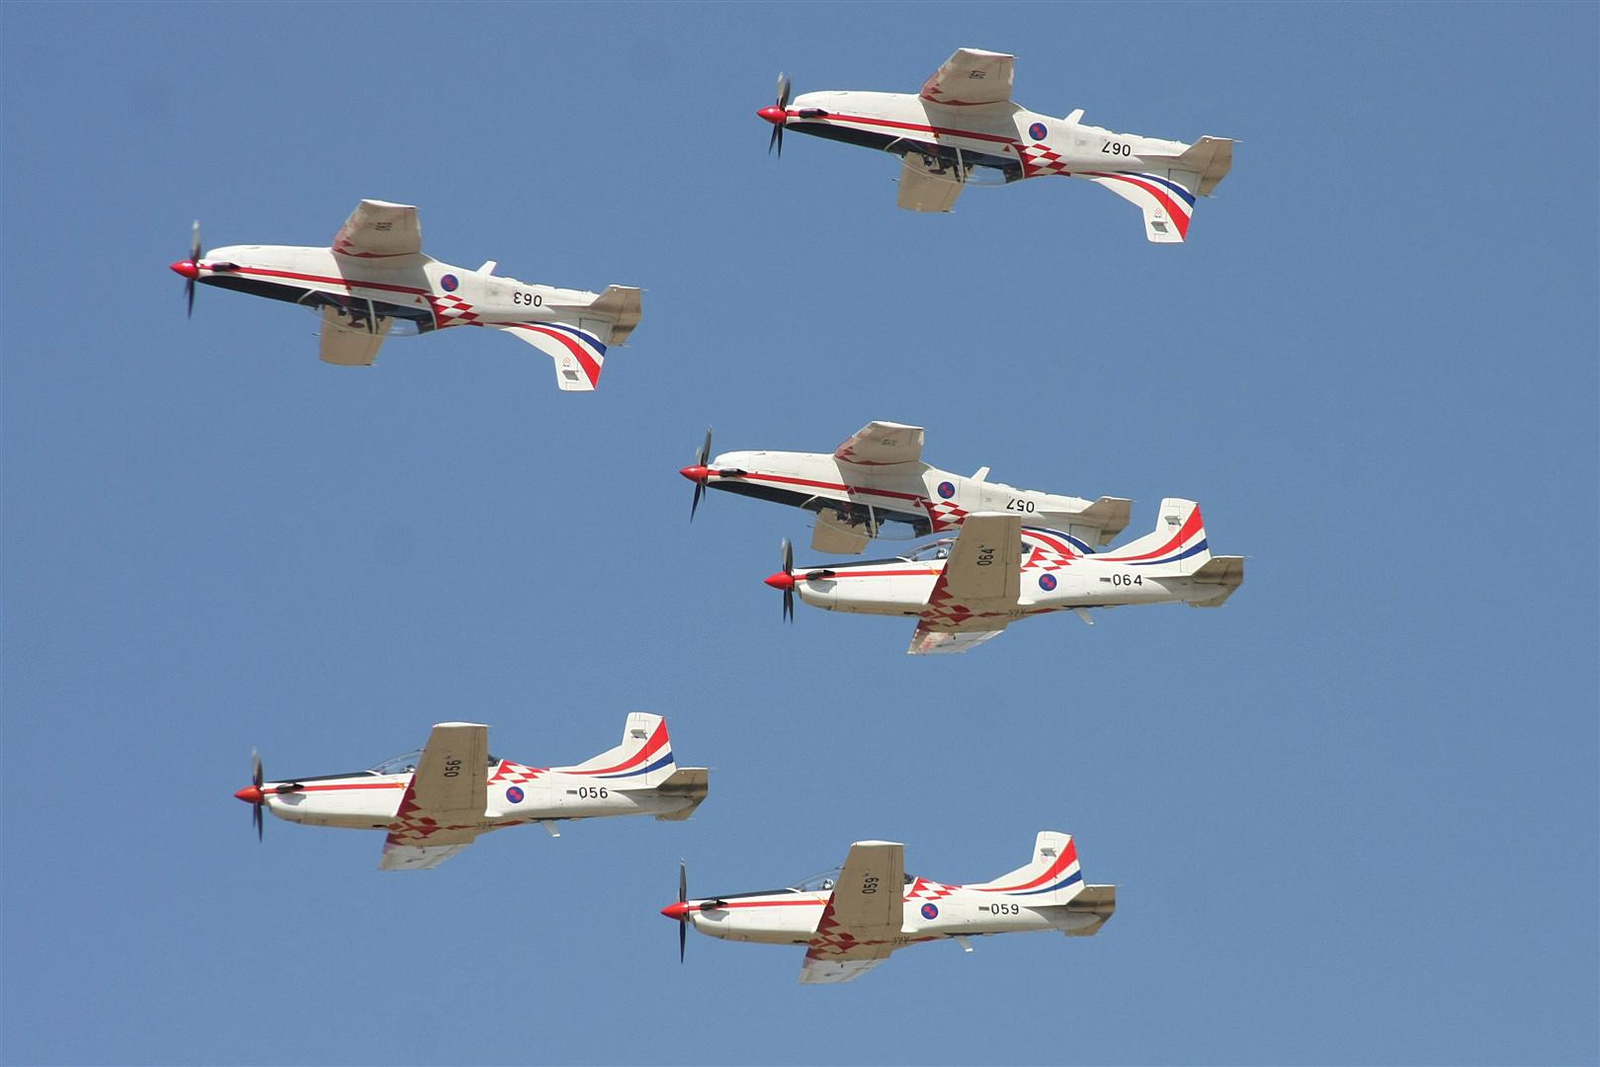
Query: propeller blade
[773, 139]
[255, 815]
[188, 290]
[701, 457]
[784, 86]
[779, 131]
[788, 590]
[683, 895]
[194, 242]
[255, 769]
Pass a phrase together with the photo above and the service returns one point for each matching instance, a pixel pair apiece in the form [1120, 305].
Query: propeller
[190, 268]
[252, 794]
[778, 115]
[698, 473]
[683, 900]
[784, 580]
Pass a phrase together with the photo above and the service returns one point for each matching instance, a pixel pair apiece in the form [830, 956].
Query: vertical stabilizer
[1177, 546]
[642, 761]
[1050, 877]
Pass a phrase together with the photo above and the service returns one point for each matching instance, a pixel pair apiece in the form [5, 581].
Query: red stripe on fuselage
[809, 483]
[323, 279]
[936, 130]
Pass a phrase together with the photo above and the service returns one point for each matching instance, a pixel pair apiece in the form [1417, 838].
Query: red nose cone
[775, 115]
[780, 581]
[676, 911]
[188, 268]
[250, 794]
[696, 474]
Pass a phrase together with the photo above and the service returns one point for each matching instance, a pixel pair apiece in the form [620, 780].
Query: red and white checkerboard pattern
[450, 310]
[944, 515]
[1038, 160]
[923, 889]
[509, 773]
[1046, 560]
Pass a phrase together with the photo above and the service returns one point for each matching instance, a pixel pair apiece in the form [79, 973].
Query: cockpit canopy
[824, 882]
[407, 762]
[939, 549]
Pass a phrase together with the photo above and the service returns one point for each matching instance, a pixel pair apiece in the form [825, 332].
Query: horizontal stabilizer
[691, 782]
[1090, 910]
[1109, 515]
[623, 307]
[1224, 572]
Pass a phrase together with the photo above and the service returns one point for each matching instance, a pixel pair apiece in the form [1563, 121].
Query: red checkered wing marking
[973, 596]
[882, 444]
[970, 77]
[862, 918]
[377, 229]
[443, 809]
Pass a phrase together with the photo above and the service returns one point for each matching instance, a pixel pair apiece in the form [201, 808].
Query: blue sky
[1353, 815]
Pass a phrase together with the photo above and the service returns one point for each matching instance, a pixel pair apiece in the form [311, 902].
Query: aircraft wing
[864, 915]
[927, 185]
[930, 640]
[981, 580]
[350, 341]
[971, 76]
[444, 805]
[377, 229]
[882, 444]
[986, 561]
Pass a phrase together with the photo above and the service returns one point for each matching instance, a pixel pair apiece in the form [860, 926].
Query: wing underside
[882, 444]
[351, 340]
[928, 184]
[971, 77]
[377, 229]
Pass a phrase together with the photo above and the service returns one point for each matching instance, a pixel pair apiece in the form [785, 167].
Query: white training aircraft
[964, 118]
[375, 277]
[878, 476]
[435, 802]
[851, 919]
[966, 590]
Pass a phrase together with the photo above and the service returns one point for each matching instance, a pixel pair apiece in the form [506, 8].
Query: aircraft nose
[250, 794]
[676, 911]
[696, 474]
[775, 115]
[780, 580]
[188, 268]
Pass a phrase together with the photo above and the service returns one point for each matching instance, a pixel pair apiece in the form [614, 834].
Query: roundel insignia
[1047, 582]
[930, 911]
[449, 283]
[1037, 131]
[946, 490]
[515, 795]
